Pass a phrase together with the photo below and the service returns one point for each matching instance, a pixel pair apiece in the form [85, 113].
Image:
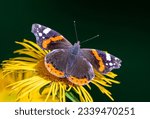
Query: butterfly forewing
[49, 39]
[101, 61]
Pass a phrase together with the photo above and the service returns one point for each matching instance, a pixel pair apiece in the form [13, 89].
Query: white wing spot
[40, 26]
[106, 63]
[108, 57]
[40, 34]
[110, 64]
[62, 36]
[116, 58]
[46, 31]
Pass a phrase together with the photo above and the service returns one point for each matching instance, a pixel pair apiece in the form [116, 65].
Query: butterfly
[70, 61]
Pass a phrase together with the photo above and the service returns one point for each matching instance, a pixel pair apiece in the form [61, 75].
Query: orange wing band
[52, 39]
[54, 71]
[100, 61]
[81, 81]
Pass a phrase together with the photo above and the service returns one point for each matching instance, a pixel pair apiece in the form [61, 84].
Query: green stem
[71, 97]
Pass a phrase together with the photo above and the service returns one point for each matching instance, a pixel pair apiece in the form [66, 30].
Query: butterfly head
[75, 49]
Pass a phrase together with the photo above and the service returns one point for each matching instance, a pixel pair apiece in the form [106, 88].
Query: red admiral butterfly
[70, 61]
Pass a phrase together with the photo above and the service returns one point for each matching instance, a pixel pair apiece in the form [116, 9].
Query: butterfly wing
[79, 71]
[56, 61]
[101, 61]
[49, 39]
[63, 64]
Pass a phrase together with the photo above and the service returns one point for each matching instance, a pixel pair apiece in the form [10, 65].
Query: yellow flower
[4, 93]
[27, 79]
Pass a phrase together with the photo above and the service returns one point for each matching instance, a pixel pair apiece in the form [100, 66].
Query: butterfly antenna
[75, 29]
[90, 39]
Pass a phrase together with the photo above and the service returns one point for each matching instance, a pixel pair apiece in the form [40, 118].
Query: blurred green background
[124, 30]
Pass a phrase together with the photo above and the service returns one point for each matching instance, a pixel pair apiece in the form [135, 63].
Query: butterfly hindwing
[101, 61]
[63, 64]
[79, 70]
[49, 39]
[56, 61]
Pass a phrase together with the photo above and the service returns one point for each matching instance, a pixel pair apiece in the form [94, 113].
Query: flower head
[27, 79]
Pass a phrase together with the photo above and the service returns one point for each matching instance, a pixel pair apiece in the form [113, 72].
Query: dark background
[124, 29]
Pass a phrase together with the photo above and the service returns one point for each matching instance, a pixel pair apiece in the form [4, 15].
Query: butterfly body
[70, 61]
